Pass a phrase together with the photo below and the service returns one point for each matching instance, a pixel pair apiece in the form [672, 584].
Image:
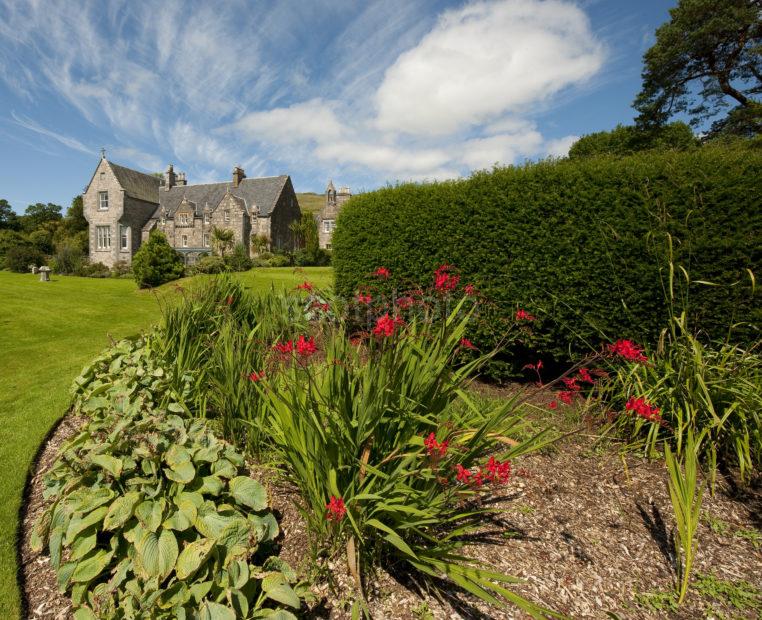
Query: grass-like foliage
[153, 517]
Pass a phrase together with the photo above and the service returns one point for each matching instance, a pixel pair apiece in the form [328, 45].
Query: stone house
[123, 206]
[326, 219]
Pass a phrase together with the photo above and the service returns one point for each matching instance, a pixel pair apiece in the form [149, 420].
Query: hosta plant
[153, 517]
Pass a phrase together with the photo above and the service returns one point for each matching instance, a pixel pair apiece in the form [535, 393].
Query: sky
[364, 93]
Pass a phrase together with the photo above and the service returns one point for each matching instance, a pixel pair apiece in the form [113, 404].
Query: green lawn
[48, 332]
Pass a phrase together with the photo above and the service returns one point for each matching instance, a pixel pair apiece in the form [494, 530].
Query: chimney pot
[238, 176]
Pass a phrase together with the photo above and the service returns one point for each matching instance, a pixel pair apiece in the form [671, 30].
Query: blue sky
[365, 93]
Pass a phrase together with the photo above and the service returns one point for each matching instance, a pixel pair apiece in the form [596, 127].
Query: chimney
[181, 179]
[238, 176]
[170, 180]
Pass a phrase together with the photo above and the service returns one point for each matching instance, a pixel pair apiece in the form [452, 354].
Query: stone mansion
[326, 219]
[123, 206]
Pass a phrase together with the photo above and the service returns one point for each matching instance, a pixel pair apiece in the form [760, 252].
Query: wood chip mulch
[587, 532]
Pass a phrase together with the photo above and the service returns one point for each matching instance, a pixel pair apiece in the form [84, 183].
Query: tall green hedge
[581, 244]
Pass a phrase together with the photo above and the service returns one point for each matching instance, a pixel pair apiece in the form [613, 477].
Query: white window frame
[226, 214]
[103, 237]
[328, 225]
[124, 238]
[206, 217]
[103, 200]
[184, 240]
[206, 240]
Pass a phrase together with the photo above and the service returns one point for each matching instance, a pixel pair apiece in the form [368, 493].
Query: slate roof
[137, 184]
[262, 193]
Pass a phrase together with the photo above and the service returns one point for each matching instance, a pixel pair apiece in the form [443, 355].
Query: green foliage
[19, 257]
[742, 595]
[222, 240]
[69, 257]
[37, 215]
[208, 264]
[686, 494]
[8, 218]
[156, 262]
[92, 270]
[10, 239]
[239, 259]
[153, 517]
[707, 52]
[581, 244]
[626, 140]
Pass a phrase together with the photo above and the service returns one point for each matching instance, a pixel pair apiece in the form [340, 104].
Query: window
[183, 219]
[185, 241]
[103, 201]
[328, 225]
[206, 217]
[103, 235]
[327, 246]
[227, 215]
[206, 240]
[103, 177]
[124, 238]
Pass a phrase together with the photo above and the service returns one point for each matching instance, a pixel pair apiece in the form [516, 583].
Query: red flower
[571, 384]
[386, 325]
[628, 350]
[256, 376]
[433, 447]
[467, 344]
[523, 315]
[584, 375]
[336, 509]
[319, 306]
[478, 478]
[363, 299]
[497, 471]
[382, 272]
[403, 303]
[537, 366]
[553, 404]
[284, 347]
[643, 409]
[566, 397]
[305, 286]
[470, 290]
[445, 281]
[462, 474]
[306, 346]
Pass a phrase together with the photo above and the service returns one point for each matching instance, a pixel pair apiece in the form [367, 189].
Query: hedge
[583, 245]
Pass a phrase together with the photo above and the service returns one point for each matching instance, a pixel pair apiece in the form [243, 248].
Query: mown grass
[48, 332]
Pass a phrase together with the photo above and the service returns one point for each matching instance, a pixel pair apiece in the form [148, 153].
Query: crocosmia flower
[383, 273]
[306, 346]
[433, 447]
[256, 376]
[335, 509]
[645, 410]
[386, 325]
[467, 344]
[284, 347]
[628, 350]
[523, 315]
[462, 474]
[363, 299]
[470, 290]
[305, 286]
[444, 280]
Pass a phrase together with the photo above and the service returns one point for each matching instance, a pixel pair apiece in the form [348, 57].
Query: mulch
[587, 532]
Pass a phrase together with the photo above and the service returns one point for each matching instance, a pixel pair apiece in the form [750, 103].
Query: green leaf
[248, 492]
[209, 522]
[215, 611]
[275, 587]
[182, 472]
[121, 510]
[77, 524]
[157, 553]
[176, 456]
[84, 543]
[192, 557]
[224, 469]
[84, 613]
[149, 513]
[90, 567]
[168, 552]
[109, 463]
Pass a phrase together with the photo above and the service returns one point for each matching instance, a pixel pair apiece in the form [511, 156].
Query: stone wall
[104, 180]
[135, 214]
[285, 212]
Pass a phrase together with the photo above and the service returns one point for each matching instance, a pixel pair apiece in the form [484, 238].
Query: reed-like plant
[686, 493]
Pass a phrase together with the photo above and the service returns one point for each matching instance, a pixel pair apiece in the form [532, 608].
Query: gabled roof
[262, 193]
[137, 184]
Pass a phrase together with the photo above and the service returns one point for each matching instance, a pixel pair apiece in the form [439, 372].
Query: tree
[628, 139]
[305, 233]
[709, 53]
[75, 216]
[37, 215]
[8, 218]
[222, 239]
[19, 258]
[260, 243]
[156, 262]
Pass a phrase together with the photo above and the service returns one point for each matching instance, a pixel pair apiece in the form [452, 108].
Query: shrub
[121, 269]
[9, 239]
[156, 262]
[208, 264]
[238, 259]
[580, 244]
[312, 258]
[69, 257]
[154, 517]
[92, 270]
[19, 257]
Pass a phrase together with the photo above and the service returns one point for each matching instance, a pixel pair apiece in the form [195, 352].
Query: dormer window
[103, 201]
[183, 219]
[227, 215]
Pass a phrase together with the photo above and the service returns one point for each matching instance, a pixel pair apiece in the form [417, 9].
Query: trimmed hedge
[581, 244]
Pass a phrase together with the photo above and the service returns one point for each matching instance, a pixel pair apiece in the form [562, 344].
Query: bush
[208, 264]
[121, 269]
[69, 257]
[580, 244]
[154, 517]
[156, 262]
[9, 239]
[238, 259]
[92, 270]
[19, 257]
[279, 260]
[312, 258]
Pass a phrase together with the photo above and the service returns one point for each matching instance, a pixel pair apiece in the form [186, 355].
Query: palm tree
[222, 239]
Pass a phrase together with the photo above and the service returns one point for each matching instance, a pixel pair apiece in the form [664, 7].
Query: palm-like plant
[222, 239]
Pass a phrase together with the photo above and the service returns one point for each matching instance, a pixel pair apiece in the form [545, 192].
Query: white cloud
[484, 60]
[67, 141]
[308, 121]
[481, 153]
[560, 146]
[189, 144]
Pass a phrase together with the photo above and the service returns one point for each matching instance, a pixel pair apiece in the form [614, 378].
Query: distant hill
[309, 202]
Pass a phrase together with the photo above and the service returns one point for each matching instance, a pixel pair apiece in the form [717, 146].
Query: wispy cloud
[67, 141]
